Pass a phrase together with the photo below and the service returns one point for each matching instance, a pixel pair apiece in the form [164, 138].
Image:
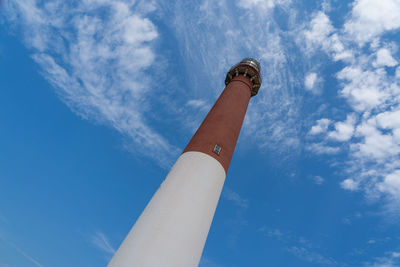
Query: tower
[173, 228]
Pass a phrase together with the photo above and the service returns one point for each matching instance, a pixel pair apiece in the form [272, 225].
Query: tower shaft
[173, 228]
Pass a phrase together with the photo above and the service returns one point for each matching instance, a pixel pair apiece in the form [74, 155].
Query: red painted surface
[223, 123]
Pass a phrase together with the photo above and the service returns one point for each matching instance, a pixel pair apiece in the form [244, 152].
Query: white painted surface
[172, 230]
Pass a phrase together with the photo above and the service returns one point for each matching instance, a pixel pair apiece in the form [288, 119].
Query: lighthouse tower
[173, 228]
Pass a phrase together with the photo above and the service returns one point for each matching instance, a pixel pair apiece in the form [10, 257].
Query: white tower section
[172, 230]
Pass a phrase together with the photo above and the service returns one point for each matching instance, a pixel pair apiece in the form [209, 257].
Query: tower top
[247, 67]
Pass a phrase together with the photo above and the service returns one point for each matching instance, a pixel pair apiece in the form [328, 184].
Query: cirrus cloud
[97, 54]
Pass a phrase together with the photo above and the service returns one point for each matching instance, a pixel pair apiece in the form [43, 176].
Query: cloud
[238, 221]
[321, 126]
[389, 119]
[322, 148]
[260, 4]
[28, 257]
[349, 184]
[375, 144]
[366, 88]
[311, 256]
[370, 19]
[390, 259]
[310, 82]
[101, 242]
[198, 104]
[319, 30]
[97, 55]
[318, 180]
[343, 130]
[391, 184]
[300, 247]
[320, 34]
[384, 58]
[235, 198]
[371, 131]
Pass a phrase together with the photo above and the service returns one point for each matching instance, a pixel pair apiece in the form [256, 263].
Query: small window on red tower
[217, 149]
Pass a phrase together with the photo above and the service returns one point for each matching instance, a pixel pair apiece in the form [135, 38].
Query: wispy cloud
[299, 247]
[97, 55]
[215, 35]
[318, 180]
[101, 242]
[21, 252]
[311, 256]
[26, 256]
[233, 196]
[238, 221]
[390, 259]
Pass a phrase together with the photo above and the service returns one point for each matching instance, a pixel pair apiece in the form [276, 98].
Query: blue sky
[98, 98]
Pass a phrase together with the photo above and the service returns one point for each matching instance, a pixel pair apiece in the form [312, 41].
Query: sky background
[98, 99]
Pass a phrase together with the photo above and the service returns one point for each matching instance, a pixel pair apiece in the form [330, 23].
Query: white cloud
[310, 82]
[374, 145]
[25, 255]
[318, 179]
[384, 58]
[390, 259]
[343, 130]
[235, 198]
[300, 247]
[372, 94]
[313, 257]
[198, 104]
[321, 149]
[101, 242]
[349, 184]
[320, 29]
[321, 126]
[96, 55]
[391, 184]
[28, 257]
[372, 18]
[389, 119]
[321, 34]
[260, 4]
[396, 254]
[365, 89]
[137, 30]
